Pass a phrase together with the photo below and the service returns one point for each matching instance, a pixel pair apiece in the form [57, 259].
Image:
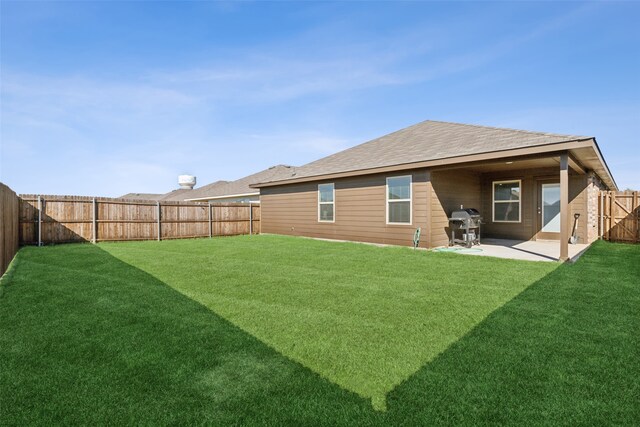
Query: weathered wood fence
[620, 216]
[9, 243]
[62, 219]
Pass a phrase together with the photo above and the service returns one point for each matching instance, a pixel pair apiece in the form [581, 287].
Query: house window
[506, 201]
[326, 204]
[399, 200]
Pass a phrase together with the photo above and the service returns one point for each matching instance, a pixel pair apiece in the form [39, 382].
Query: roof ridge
[506, 129]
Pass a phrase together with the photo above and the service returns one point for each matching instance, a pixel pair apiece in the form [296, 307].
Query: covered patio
[532, 204]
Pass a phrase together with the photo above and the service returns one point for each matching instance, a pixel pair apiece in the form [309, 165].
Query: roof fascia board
[606, 167]
[549, 148]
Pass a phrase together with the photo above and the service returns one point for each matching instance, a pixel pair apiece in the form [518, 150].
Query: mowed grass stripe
[564, 352]
[361, 316]
[86, 338]
[124, 348]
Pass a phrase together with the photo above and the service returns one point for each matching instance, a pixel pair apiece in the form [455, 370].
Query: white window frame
[410, 199]
[494, 201]
[333, 202]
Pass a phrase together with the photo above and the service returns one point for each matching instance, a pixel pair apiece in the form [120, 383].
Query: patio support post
[564, 207]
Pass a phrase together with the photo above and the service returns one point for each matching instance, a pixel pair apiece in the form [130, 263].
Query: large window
[399, 200]
[326, 204]
[506, 201]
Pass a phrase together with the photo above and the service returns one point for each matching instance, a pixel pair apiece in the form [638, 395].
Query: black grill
[467, 221]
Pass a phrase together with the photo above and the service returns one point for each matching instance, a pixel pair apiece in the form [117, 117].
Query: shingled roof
[219, 189]
[182, 194]
[241, 186]
[142, 196]
[425, 141]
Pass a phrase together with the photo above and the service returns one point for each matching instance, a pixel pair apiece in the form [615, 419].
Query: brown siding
[450, 189]
[578, 203]
[360, 210]
[528, 227]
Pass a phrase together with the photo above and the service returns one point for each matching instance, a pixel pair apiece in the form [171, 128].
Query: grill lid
[465, 213]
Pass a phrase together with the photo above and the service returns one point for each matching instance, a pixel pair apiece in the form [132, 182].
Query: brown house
[526, 185]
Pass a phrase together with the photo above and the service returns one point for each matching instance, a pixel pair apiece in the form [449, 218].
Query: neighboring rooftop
[425, 141]
[241, 187]
[181, 194]
[219, 189]
[142, 196]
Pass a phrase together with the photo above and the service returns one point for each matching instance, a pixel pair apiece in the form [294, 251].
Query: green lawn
[273, 330]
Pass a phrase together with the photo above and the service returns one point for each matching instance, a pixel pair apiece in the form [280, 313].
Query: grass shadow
[564, 351]
[364, 317]
[88, 339]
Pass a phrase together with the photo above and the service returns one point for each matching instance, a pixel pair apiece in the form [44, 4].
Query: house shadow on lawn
[86, 338]
[563, 352]
[338, 308]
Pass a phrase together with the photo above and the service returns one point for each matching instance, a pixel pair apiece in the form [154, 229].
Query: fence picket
[620, 214]
[79, 219]
[9, 226]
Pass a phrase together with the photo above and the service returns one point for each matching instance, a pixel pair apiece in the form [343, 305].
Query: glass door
[549, 210]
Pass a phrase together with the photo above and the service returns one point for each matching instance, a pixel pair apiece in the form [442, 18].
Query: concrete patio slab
[540, 250]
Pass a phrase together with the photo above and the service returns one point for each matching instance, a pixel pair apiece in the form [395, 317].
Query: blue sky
[105, 98]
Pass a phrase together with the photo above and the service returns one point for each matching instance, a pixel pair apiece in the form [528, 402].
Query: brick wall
[594, 186]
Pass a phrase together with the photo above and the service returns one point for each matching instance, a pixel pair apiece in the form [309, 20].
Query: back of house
[526, 186]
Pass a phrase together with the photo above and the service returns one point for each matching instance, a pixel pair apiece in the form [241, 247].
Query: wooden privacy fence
[62, 219]
[620, 216]
[9, 243]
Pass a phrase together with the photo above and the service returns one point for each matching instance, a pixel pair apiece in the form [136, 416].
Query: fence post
[39, 221]
[635, 211]
[250, 219]
[159, 229]
[210, 223]
[601, 216]
[94, 232]
[612, 213]
[605, 232]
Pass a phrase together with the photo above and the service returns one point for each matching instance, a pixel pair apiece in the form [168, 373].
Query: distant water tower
[186, 182]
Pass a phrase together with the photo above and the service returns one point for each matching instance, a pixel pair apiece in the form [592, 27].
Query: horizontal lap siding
[528, 227]
[578, 203]
[518, 231]
[450, 189]
[360, 210]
